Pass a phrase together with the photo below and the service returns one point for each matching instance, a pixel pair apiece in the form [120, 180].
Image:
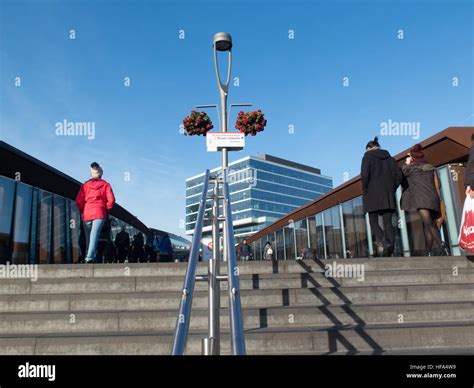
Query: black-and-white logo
[30, 371]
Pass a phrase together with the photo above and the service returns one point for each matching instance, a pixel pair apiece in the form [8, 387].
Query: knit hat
[416, 152]
[96, 170]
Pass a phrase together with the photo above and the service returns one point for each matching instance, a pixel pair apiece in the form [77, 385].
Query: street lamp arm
[223, 87]
[212, 106]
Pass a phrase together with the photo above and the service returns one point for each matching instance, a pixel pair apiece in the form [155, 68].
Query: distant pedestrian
[268, 251]
[245, 251]
[138, 252]
[122, 243]
[166, 249]
[380, 177]
[94, 200]
[150, 253]
[307, 253]
[110, 252]
[421, 194]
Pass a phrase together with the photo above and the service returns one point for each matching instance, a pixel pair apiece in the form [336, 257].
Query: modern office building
[335, 226]
[39, 220]
[262, 189]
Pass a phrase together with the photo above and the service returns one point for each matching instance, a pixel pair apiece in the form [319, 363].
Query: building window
[59, 230]
[279, 245]
[312, 232]
[21, 224]
[320, 238]
[45, 207]
[332, 226]
[74, 224]
[355, 229]
[301, 234]
[257, 253]
[7, 190]
[263, 242]
[290, 243]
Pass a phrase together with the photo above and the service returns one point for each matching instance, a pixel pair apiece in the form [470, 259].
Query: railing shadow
[334, 335]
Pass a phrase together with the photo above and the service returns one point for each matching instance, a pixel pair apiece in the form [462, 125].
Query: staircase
[403, 306]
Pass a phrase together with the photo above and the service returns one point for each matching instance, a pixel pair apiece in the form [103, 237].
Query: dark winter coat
[122, 240]
[469, 177]
[380, 177]
[165, 246]
[244, 250]
[419, 190]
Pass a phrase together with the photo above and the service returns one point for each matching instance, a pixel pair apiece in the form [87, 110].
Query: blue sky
[296, 82]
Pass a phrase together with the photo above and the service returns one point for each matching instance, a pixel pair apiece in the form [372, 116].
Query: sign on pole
[206, 244]
[233, 141]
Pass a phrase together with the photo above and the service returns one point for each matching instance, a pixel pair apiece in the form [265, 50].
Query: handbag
[466, 234]
[441, 220]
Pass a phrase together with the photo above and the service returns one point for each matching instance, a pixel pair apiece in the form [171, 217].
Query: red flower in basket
[250, 122]
[197, 123]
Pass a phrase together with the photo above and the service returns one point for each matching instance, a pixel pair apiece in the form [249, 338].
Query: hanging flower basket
[251, 122]
[197, 123]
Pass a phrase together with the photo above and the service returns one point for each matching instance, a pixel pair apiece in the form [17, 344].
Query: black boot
[389, 249]
[380, 248]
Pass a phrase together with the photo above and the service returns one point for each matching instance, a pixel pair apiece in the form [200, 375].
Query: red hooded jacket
[95, 199]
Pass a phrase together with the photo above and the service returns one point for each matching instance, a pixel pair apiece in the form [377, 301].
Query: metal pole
[223, 92]
[235, 309]
[225, 161]
[214, 272]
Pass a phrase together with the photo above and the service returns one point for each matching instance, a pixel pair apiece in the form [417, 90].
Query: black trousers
[165, 258]
[388, 232]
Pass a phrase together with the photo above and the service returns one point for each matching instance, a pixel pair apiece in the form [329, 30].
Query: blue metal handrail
[185, 306]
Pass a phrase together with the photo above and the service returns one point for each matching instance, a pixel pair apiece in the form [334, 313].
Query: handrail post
[236, 321]
[213, 273]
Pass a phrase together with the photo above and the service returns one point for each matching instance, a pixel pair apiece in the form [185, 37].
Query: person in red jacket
[94, 200]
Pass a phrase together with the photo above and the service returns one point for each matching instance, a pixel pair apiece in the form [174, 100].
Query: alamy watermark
[335, 270]
[246, 176]
[400, 128]
[31, 371]
[75, 128]
[19, 271]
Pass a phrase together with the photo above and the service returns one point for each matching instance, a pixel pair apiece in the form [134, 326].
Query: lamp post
[222, 41]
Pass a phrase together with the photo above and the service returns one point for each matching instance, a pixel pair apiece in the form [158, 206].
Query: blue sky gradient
[296, 82]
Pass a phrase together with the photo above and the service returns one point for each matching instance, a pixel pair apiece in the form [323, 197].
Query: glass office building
[335, 226]
[262, 189]
[40, 227]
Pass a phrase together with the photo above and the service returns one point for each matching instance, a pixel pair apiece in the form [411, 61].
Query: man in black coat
[380, 177]
[122, 242]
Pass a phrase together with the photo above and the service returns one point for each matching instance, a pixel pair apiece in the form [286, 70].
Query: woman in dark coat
[380, 177]
[420, 194]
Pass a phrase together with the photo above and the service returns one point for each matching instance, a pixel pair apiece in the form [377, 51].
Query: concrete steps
[254, 318]
[402, 305]
[247, 282]
[123, 301]
[444, 336]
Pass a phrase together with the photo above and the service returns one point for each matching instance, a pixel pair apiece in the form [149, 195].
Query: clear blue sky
[295, 82]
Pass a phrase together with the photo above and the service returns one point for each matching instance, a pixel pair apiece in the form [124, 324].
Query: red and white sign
[233, 141]
[206, 246]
